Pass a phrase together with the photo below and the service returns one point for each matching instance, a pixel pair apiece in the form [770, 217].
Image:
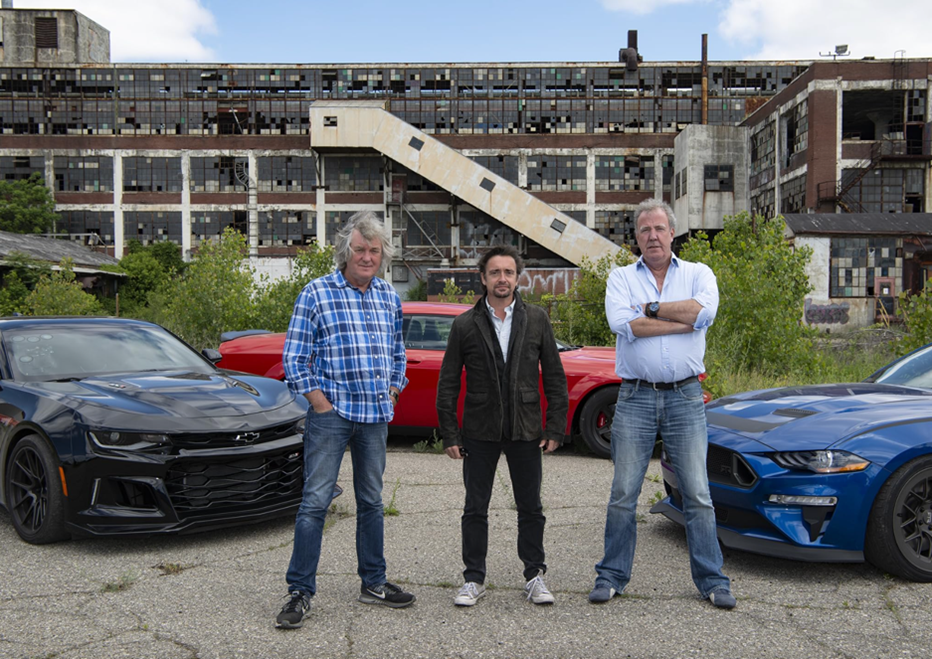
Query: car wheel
[595, 421]
[34, 495]
[899, 530]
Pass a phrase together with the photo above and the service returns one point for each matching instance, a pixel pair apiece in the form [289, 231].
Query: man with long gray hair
[345, 353]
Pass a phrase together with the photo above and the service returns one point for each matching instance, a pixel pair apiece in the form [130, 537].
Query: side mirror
[212, 355]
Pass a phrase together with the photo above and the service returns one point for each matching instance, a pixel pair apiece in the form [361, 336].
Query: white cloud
[145, 30]
[641, 7]
[801, 29]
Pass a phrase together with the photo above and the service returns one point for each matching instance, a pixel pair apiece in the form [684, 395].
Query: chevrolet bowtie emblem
[246, 437]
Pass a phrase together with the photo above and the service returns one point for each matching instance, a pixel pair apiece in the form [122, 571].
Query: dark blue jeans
[326, 437]
[525, 468]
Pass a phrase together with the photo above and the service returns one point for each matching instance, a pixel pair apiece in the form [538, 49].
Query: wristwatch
[651, 309]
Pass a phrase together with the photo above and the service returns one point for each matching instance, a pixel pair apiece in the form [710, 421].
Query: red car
[590, 373]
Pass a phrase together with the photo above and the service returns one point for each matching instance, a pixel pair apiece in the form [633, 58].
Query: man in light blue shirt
[660, 308]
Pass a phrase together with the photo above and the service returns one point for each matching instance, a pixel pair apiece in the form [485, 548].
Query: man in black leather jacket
[507, 349]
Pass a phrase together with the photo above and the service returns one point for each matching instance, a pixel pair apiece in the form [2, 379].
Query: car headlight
[126, 440]
[821, 462]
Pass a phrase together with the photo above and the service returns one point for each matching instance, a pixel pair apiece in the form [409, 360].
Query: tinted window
[914, 370]
[424, 332]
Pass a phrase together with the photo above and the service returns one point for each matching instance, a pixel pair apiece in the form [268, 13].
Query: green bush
[275, 301]
[578, 316]
[26, 206]
[762, 286]
[216, 293]
[916, 312]
[58, 294]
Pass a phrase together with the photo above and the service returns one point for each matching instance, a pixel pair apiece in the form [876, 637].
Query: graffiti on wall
[826, 314]
[535, 281]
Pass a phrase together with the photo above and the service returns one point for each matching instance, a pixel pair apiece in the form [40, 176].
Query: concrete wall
[821, 311]
[698, 146]
[80, 40]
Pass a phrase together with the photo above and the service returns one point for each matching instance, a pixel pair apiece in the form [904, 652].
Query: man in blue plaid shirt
[345, 353]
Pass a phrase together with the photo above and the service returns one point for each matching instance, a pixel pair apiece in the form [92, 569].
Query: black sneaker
[292, 614]
[388, 594]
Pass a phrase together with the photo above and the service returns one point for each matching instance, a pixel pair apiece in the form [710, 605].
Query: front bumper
[197, 489]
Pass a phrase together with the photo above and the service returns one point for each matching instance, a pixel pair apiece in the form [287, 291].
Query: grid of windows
[354, 173]
[219, 174]
[18, 168]
[857, 262]
[152, 226]
[87, 227]
[885, 190]
[142, 174]
[287, 228]
[84, 173]
[436, 224]
[209, 225]
[793, 195]
[257, 100]
[628, 173]
[556, 172]
[762, 149]
[414, 182]
[719, 178]
[666, 163]
[617, 226]
[763, 203]
[478, 230]
[797, 128]
[287, 174]
[504, 166]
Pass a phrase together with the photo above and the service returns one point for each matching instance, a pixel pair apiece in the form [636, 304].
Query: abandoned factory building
[552, 157]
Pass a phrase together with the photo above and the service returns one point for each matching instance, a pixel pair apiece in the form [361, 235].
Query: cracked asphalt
[216, 594]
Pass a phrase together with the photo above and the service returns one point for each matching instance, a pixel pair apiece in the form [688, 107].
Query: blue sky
[356, 31]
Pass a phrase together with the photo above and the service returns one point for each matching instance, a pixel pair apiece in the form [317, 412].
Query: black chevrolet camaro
[115, 426]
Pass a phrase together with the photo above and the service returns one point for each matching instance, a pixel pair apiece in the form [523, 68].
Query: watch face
[654, 307]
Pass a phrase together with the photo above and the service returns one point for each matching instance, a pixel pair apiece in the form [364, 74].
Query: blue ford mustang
[116, 426]
[838, 472]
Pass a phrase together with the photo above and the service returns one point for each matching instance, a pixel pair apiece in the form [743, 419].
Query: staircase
[368, 125]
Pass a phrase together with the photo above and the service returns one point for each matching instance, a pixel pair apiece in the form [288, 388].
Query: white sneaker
[537, 591]
[469, 594]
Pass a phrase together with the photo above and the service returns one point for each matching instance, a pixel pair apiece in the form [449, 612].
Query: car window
[914, 370]
[60, 351]
[424, 332]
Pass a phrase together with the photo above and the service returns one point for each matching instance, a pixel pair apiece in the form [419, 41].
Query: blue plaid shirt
[349, 345]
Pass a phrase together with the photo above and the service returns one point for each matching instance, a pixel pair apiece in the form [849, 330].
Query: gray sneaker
[537, 591]
[469, 594]
[722, 598]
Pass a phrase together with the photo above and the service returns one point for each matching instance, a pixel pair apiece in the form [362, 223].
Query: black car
[115, 426]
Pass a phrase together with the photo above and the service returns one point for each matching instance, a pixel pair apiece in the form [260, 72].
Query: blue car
[114, 426]
[839, 472]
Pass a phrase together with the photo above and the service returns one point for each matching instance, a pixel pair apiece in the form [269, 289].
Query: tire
[595, 421]
[899, 529]
[34, 496]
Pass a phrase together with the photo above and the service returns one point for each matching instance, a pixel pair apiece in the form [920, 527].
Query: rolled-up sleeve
[618, 303]
[706, 294]
[299, 345]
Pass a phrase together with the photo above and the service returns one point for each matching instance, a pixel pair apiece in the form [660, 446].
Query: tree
[578, 316]
[916, 311]
[59, 294]
[26, 206]
[216, 293]
[762, 286]
[275, 301]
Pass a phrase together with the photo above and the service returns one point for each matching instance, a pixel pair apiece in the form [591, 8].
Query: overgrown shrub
[762, 285]
[916, 312]
[275, 300]
[59, 294]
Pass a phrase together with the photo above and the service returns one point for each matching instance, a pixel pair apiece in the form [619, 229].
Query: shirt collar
[674, 261]
[343, 282]
[508, 310]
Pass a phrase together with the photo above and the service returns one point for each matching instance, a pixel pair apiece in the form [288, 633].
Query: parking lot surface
[216, 594]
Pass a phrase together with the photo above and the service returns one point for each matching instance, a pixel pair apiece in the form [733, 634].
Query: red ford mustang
[590, 373]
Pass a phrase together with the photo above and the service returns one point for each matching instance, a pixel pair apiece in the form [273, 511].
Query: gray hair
[651, 205]
[372, 228]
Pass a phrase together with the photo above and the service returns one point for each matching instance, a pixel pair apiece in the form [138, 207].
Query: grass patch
[170, 568]
[391, 510]
[434, 444]
[123, 583]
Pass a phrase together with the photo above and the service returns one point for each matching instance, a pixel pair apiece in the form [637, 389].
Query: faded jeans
[679, 416]
[326, 437]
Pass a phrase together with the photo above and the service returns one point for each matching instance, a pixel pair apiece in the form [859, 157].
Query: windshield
[64, 351]
[913, 370]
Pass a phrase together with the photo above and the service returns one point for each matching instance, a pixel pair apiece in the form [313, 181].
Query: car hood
[214, 398]
[589, 357]
[819, 416]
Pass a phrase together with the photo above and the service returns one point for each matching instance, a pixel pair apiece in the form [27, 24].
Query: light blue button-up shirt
[668, 358]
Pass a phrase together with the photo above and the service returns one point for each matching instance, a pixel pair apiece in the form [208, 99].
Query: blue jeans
[326, 437]
[679, 416]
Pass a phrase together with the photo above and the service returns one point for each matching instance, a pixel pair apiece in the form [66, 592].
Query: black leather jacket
[471, 346]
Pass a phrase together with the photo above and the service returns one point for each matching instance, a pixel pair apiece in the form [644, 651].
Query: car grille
[729, 468]
[228, 439]
[201, 488]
